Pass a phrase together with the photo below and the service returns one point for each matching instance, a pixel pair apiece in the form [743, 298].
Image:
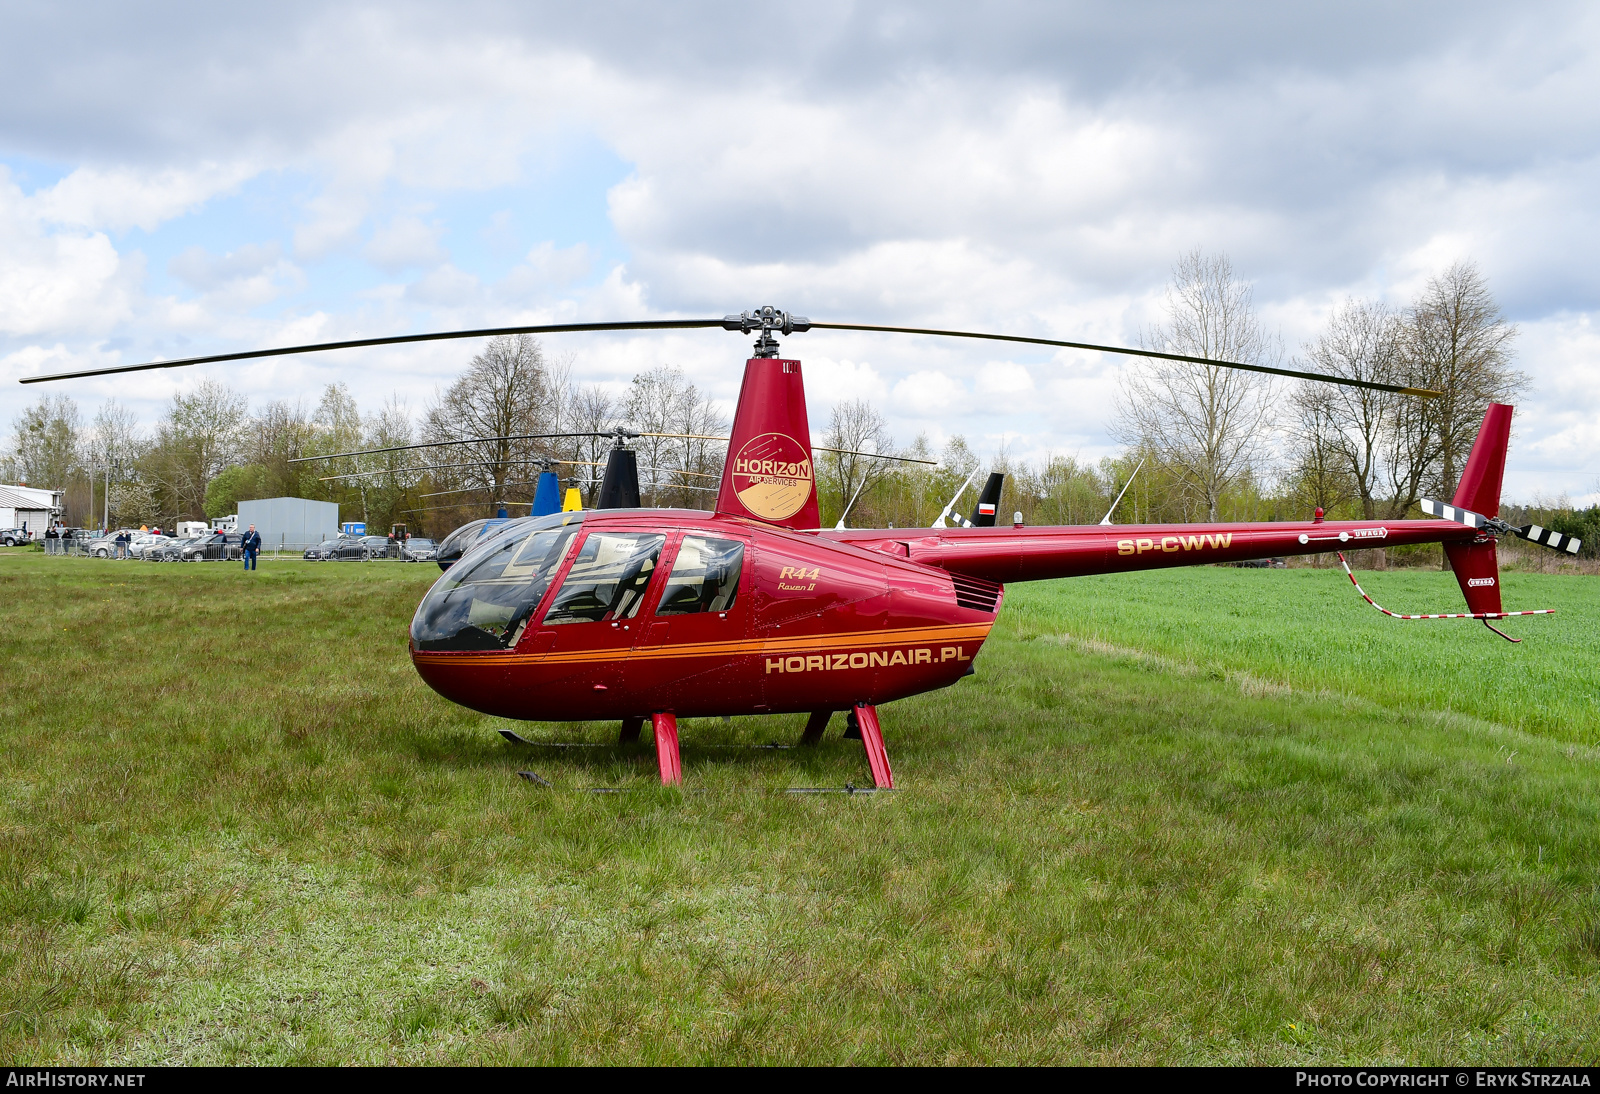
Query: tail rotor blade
[1544, 537]
[1533, 533]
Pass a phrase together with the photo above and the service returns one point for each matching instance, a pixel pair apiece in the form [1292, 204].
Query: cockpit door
[693, 658]
[595, 616]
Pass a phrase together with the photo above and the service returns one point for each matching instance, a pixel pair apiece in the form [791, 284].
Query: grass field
[1211, 816]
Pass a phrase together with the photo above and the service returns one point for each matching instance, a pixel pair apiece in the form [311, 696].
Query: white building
[29, 507]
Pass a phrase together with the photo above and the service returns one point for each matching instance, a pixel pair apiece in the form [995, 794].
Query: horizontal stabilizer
[1455, 513]
[1544, 537]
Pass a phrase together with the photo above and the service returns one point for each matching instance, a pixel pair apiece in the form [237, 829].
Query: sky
[181, 179]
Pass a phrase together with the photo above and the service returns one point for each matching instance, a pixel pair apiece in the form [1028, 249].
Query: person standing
[52, 538]
[252, 547]
[123, 539]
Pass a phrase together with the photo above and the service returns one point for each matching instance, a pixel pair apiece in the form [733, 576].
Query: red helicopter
[750, 608]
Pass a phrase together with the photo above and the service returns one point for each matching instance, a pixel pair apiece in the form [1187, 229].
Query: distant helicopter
[750, 608]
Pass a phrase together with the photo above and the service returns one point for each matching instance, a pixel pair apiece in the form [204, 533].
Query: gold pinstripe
[787, 646]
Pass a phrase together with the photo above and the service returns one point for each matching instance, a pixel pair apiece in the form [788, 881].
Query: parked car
[143, 544]
[346, 546]
[418, 549]
[102, 546]
[15, 537]
[221, 547]
[171, 550]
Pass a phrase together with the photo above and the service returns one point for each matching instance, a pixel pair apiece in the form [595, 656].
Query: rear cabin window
[608, 578]
[704, 578]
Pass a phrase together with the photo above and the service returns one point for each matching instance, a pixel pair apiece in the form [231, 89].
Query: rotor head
[769, 321]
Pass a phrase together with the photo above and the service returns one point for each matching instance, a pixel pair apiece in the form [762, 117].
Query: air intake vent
[976, 593]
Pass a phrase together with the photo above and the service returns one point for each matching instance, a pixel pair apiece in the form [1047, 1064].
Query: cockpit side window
[704, 578]
[484, 601]
[608, 579]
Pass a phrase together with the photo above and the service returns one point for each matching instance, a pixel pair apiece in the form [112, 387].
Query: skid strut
[664, 727]
[872, 737]
[630, 730]
[816, 726]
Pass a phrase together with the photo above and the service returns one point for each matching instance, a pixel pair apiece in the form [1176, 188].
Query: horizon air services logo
[772, 476]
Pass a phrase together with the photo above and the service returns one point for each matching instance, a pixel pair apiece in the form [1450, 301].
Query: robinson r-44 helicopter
[750, 608]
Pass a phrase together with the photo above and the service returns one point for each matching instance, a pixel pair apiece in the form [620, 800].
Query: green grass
[1310, 629]
[235, 827]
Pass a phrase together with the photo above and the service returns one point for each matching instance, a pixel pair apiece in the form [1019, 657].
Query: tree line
[209, 450]
[1207, 443]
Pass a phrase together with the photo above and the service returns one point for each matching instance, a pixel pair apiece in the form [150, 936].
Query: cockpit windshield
[484, 601]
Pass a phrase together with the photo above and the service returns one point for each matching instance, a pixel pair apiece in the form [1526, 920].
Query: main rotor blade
[478, 489]
[434, 467]
[395, 340]
[612, 435]
[692, 324]
[873, 455]
[1425, 393]
[440, 444]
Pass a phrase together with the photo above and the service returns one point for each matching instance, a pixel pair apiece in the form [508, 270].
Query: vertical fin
[1476, 566]
[547, 496]
[1479, 488]
[1478, 572]
[620, 487]
[769, 475]
[988, 501]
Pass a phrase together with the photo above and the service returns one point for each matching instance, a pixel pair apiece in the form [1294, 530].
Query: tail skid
[1485, 616]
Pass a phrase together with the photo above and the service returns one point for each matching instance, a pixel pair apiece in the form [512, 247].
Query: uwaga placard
[772, 476]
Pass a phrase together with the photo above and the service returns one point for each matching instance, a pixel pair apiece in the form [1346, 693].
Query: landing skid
[863, 725]
[517, 740]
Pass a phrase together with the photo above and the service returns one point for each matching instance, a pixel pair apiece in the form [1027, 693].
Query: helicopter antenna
[1107, 518]
[939, 521]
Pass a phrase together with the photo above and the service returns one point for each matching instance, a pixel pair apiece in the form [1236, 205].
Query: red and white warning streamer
[1485, 616]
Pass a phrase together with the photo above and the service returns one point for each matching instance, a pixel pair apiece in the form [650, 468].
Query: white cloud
[56, 280]
[830, 380]
[444, 287]
[405, 241]
[1028, 170]
[930, 394]
[122, 198]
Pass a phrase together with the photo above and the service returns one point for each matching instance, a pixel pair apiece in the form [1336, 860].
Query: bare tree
[279, 433]
[384, 495]
[676, 470]
[504, 393]
[202, 432]
[47, 443]
[1458, 343]
[855, 425]
[1207, 423]
[111, 450]
[1319, 477]
[1352, 424]
[587, 409]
